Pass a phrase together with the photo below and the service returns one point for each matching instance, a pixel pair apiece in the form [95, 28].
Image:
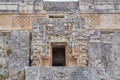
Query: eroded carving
[70, 31]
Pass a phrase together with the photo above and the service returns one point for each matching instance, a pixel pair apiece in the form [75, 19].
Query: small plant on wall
[21, 74]
[3, 76]
[9, 51]
[0, 65]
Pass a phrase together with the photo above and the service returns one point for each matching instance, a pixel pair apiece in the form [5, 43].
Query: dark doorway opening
[58, 56]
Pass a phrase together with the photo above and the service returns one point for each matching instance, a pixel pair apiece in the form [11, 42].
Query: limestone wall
[70, 31]
[104, 54]
[4, 59]
[81, 29]
[61, 73]
[82, 6]
[61, 6]
[14, 54]
[5, 22]
[91, 29]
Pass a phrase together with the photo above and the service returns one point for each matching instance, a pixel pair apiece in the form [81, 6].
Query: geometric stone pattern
[24, 20]
[21, 21]
[92, 19]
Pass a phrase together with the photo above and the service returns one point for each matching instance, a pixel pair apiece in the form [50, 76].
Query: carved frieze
[61, 30]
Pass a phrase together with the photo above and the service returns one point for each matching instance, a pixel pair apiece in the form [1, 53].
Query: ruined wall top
[40, 6]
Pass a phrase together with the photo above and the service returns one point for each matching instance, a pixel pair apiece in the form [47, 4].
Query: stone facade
[88, 29]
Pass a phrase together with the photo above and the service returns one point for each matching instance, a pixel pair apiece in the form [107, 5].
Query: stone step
[60, 73]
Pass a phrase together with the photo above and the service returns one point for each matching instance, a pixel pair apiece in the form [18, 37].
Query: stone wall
[82, 6]
[80, 30]
[103, 57]
[61, 73]
[70, 31]
[100, 31]
[104, 54]
[61, 6]
[4, 56]
[14, 54]
[91, 29]
[101, 49]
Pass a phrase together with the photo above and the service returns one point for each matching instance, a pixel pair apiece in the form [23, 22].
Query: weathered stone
[61, 73]
[89, 30]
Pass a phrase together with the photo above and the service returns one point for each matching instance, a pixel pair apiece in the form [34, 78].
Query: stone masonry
[89, 30]
[61, 73]
[14, 55]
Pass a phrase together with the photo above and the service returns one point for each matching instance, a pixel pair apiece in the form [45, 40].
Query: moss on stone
[3, 76]
[9, 51]
[0, 55]
[4, 34]
[21, 74]
[0, 65]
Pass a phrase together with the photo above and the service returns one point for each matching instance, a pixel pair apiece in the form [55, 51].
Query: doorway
[58, 56]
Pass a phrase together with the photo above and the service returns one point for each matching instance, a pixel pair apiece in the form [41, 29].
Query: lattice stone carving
[91, 19]
[21, 21]
[24, 20]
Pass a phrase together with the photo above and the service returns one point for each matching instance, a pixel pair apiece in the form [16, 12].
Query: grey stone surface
[82, 6]
[20, 46]
[103, 46]
[104, 55]
[61, 6]
[19, 58]
[4, 43]
[61, 73]
[14, 54]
